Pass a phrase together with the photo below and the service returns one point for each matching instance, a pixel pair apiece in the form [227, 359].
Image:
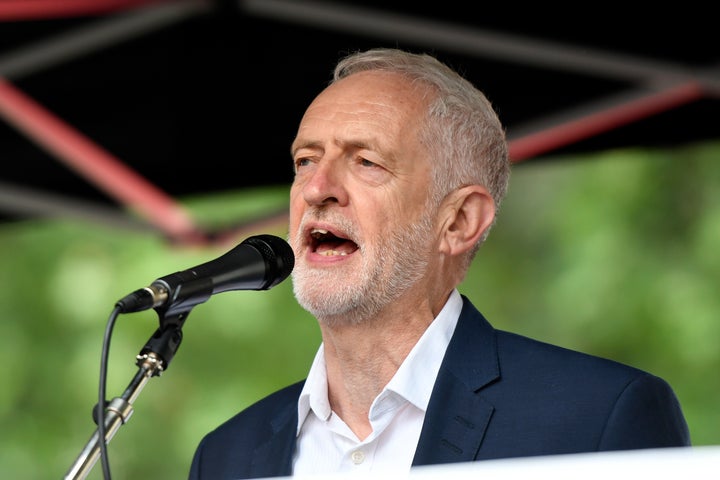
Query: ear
[469, 211]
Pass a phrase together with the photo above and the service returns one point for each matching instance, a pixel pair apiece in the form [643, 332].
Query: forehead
[388, 102]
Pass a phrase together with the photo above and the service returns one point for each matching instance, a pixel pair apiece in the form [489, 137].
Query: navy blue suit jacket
[497, 395]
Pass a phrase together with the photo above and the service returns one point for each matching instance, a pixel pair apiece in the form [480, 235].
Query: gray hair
[462, 131]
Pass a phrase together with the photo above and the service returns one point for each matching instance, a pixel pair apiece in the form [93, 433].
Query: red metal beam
[43, 9]
[563, 134]
[95, 164]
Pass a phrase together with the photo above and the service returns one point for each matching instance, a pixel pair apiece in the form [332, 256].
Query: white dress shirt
[326, 444]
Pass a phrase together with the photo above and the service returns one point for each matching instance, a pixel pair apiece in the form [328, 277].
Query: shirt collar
[314, 393]
[415, 378]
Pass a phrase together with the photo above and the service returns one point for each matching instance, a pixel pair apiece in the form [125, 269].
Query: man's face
[358, 220]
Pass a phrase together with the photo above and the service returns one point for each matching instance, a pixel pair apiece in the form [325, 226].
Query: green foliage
[614, 254]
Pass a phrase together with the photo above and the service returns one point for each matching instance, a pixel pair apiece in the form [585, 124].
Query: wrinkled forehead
[377, 87]
[388, 101]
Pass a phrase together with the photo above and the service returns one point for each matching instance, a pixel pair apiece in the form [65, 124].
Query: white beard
[389, 268]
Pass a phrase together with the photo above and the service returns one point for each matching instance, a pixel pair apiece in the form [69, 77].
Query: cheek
[382, 213]
[407, 204]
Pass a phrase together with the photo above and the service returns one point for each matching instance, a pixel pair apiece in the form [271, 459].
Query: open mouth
[328, 244]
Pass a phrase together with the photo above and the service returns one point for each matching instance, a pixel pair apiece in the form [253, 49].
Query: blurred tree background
[615, 254]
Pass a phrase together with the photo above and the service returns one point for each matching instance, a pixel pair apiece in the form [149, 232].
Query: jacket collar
[457, 416]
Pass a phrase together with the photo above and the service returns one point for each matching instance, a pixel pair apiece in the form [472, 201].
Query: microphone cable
[102, 389]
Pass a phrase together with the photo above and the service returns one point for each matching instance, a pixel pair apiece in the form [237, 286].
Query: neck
[362, 358]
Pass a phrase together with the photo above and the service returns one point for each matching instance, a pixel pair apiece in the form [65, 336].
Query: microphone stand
[152, 360]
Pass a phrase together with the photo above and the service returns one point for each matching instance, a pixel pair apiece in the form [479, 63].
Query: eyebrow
[357, 144]
[295, 146]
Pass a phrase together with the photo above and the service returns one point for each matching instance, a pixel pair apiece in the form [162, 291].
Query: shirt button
[358, 457]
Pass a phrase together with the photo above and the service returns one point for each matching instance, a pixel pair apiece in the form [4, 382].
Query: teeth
[316, 232]
[332, 253]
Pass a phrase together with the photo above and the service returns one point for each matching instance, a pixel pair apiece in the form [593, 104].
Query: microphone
[258, 263]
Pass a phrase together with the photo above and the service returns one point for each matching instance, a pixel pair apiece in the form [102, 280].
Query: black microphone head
[278, 255]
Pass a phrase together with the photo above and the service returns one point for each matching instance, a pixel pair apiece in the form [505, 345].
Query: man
[400, 168]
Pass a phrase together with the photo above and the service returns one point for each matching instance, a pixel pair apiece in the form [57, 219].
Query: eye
[301, 162]
[373, 172]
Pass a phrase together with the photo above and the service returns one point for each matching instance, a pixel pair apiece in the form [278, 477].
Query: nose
[326, 184]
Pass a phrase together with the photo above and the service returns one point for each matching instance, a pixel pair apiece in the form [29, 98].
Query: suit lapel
[274, 457]
[457, 415]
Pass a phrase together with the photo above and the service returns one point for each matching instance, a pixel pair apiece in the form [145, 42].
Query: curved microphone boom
[258, 263]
